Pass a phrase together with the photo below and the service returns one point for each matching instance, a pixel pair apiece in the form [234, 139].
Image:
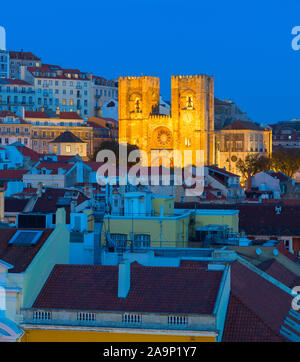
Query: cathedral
[190, 125]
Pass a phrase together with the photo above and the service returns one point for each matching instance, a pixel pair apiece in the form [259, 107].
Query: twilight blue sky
[245, 45]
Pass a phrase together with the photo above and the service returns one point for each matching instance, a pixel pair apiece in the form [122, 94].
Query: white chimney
[2, 38]
[124, 279]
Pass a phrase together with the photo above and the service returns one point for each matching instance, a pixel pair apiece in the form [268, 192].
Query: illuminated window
[189, 102]
[137, 105]
[64, 102]
[68, 148]
[71, 102]
[55, 149]
[188, 142]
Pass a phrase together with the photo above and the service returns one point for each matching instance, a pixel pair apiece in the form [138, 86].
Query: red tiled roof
[28, 191]
[22, 55]
[54, 166]
[61, 115]
[259, 218]
[280, 273]
[268, 302]
[56, 72]
[6, 113]
[14, 205]
[47, 202]
[283, 250]
[67, 137]
[35, 114]
[94, 164]
[223, 171]
[69, 115]
[12, 174]
[15, 82]
[242, 325]
[280, 176]
[95, 125]
[28, 152]
[19, 256]
[240, 125]
[153, 289]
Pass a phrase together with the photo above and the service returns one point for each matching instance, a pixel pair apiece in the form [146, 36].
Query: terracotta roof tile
[153, 289]
[12, 174]
[19, 256]
[242, 325]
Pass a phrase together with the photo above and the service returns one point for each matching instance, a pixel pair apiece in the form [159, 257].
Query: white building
[4, 55]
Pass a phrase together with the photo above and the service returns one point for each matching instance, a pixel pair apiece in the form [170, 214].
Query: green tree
[286, 160]
[253, 164]
[114, 146]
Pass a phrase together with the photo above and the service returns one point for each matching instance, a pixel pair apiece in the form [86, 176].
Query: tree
[253, 164]
[114, 146]
[286, 160]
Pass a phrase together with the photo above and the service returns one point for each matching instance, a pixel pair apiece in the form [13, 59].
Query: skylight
[26, 237]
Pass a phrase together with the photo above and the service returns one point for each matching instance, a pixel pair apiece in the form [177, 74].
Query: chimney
[60, 216]
[73, 205]
[124, 279]
[39, 189]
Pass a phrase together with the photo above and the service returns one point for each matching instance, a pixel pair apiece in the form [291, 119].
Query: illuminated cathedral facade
[190, 125]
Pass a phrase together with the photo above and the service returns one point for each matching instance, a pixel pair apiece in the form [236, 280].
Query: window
[141, 241]
[68, 148]
[188, 142]
[119, 241]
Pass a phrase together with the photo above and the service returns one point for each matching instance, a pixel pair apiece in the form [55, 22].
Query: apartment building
[47, 125]
[16, 94]
[103, 91]
[68, 89]
[13, 129]
[21, 58]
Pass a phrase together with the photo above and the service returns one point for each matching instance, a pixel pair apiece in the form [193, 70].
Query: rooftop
[20, 256]
[67, 137]
[243, 125]
[152, 289]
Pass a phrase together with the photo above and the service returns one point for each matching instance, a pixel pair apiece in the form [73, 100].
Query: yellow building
[67, 144]
[190, 126]
[147, 221]
[239, 139]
